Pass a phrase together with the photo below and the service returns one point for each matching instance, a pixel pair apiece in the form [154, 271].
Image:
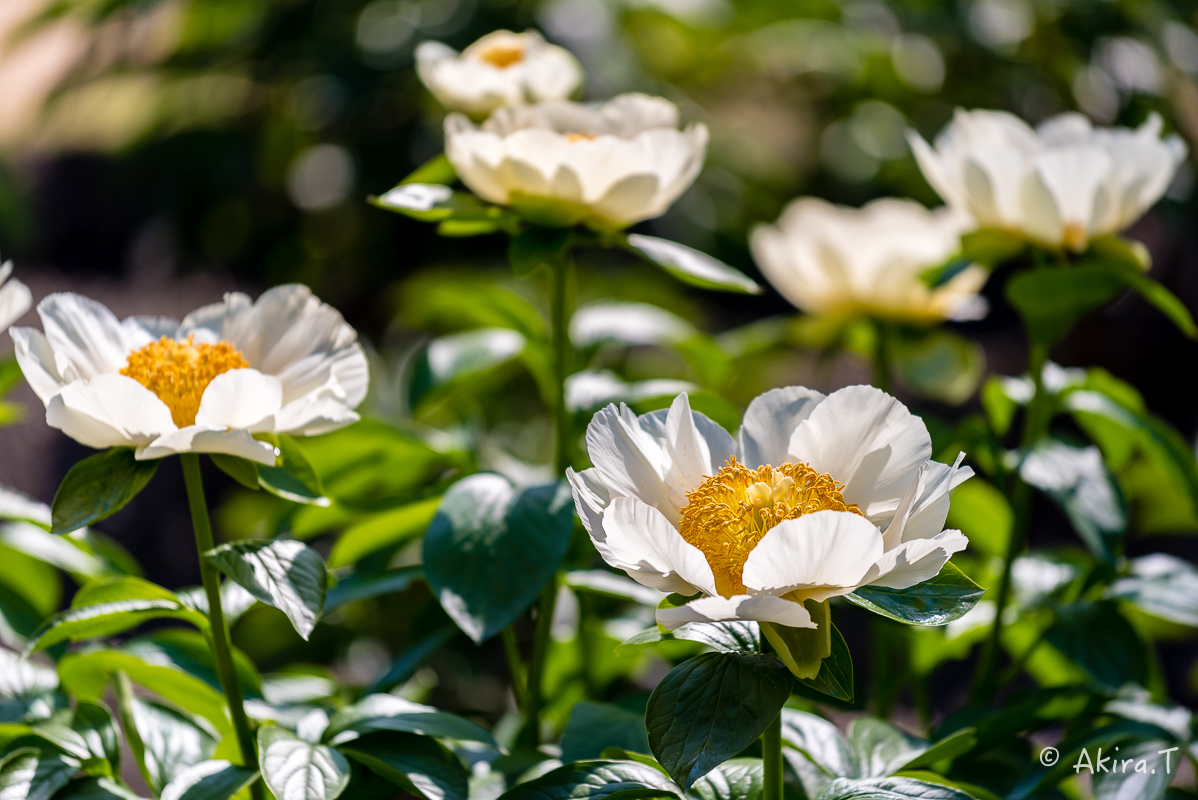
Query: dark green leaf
[295, 479]
[1158, 584]
[1076, 478]
[459, 356]
[815, 750]
[991, 247]
[1052, 300]
[691, 266]
[98, 487]
[419, 764]
[386, 531]
[164, 742]
[936, 601]
[536, 247]
[1138, 771]
[730, 636]
[1157, 295]
[1097, 638]
[282, 573]
[889, 789]
[241, 470]
[939, 364]
[432, 202]
[596, 780]
[95, 725]
[437, 170]
[27, 774]
[386, 712]
[298, 770]
[594, 727]
[711, 707]
[105, 607]
[209, 780]
[491, 549]
[96, 789]
[737, 779]
[364, 586]
[880, 749]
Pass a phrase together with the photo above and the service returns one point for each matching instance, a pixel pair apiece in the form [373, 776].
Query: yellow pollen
[502, 56]
[579, 137]
[728, 513]
[1075, 236]
[179, 372]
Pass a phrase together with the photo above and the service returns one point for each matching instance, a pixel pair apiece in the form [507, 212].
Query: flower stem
[222, 649]
[771, 759]
[1035, 427]
[559, 329]
[515, 667]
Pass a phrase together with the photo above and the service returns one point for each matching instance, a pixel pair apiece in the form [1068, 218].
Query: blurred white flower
[833, 260]
[1060, 184]
[561, 163]
[284, 364]
[500, 69]
[816, 497]
[15, 297]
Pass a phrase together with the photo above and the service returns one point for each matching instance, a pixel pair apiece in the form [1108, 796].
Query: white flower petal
[924, 508]
[643, 543]
[239, 398]
[15, 297]
[762, 608]
[37, 363]
[769, 422]
[194, 439]
[695, 448]
[867, 440]
[85, 336]
[109, 411]
[628, 453]
[590, 498]
[916, 560]
[825, 550]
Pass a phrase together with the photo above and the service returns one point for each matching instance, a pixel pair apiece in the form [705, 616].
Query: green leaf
[27, 774]
[437, 170]
[241, 470]
[835, 677]
[879, 748]
[164, 742]
[729, 636]
[1116, 249]
[20, 677]
[691, 266]
[430, 202]
[387, 712]
[889, 789]
[363, 586]
[421, 765]
[737, 779]
[815, 750]
[536, 247]
[297, 770]
[458, 356]
[414, 656]
[1076, 478]
[936, 601]
[105, 607]
[939, 364]
[295, 479]
[209, 780]
[1156, 294]
[803, 650]
[1052, 300]
[594, 727]
[491, 549]
[282, 573]
[982, 513]
[98, 487]
[1157, 584]
[96, 789]
[596, 780]
[386, 531]
[711, 707]
[95, 725]
[1097, 638]
[1140, 771]
[991, 247]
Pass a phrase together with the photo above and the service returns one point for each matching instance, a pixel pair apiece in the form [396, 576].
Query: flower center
[728, 513]
[502, 56]
[179, 372]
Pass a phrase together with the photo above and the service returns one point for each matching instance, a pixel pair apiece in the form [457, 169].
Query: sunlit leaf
[282, 573]
[98, 487]
[298, 770]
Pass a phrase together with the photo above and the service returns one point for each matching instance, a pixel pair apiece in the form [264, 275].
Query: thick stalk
[1035, 426]
[559, 330]
[222, 648]
[771, 759]
[513, 662]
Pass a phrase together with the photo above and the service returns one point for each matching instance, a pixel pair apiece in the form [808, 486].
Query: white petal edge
[769, 422]
[762, 608]
[825, 550]
[109, 411]
[239, 399]
[643, 543]
[194, 439]
[916, 561]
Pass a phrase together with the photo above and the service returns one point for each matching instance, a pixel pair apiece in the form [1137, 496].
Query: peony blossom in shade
[285, 363]
[560, 163]
[815, 497]
[831, 260]
[15, 297]
[500, 69]
[1060, 184]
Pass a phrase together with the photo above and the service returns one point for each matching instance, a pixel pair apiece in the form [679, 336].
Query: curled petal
[762, 608]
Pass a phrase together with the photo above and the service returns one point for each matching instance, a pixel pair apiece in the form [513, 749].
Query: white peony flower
[15, 297]
[560, 163]
[833, 260]
[500, 69]
[1059, 185]
[815, 497]
[286, 363]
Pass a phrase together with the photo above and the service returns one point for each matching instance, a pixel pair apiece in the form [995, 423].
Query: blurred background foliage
[145, 143]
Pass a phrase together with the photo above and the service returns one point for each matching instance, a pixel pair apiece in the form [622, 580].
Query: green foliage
[690, 266]
[937, 601]
[298, 770]
[596, 780]
[98, 487]
[282, 573]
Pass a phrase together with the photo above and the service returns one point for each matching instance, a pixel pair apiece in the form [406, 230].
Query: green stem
[1035, 427]
[771, 759]
[559, 328]
[515, 667]
[222, 648]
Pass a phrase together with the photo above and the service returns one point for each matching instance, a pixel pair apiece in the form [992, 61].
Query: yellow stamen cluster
[179, 372]
[728, 513]
[502, 56]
